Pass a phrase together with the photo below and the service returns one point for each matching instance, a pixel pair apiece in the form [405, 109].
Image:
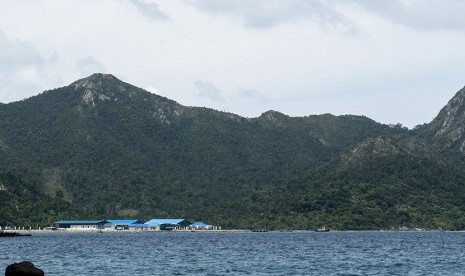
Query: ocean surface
[269, 253]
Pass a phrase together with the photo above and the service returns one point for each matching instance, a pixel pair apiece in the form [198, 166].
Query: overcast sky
[395, 61]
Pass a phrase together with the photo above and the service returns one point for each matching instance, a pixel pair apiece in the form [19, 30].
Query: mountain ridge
[109, 148]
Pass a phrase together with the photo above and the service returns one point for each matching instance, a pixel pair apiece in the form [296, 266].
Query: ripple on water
[270, 253]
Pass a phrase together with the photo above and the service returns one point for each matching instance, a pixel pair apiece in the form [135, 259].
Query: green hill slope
[23, 205]
[111, 149]
[382, 183]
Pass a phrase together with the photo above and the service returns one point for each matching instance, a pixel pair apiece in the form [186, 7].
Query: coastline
[61, 231]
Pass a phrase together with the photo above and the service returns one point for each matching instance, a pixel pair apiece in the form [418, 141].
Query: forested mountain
[447, 130]
[104, 148]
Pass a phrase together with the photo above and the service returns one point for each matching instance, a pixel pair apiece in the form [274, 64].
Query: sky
[394, 61]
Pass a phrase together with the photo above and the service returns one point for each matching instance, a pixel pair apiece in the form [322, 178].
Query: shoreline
[37, 231]
[46, 231]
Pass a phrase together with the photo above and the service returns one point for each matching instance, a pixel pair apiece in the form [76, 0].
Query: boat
[322, 229]
[51, 228]
[13, 234]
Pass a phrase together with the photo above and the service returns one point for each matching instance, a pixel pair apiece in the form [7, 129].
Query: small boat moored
[322, 229]
[13, 234]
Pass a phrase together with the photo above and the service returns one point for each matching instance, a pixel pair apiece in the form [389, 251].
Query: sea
[240, 253]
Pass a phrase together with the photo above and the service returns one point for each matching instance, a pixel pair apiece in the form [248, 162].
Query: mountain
[413, 179]
[105, 148]
[448, 128]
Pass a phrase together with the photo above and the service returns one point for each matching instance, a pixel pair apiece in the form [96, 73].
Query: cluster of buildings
[131, 225]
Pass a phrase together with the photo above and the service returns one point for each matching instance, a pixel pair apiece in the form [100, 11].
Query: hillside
[110, 149]
[382, 183]
[23, 204]
[447, 130]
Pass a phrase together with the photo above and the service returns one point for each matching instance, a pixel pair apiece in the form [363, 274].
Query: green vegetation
[23, 205]
[102, 148]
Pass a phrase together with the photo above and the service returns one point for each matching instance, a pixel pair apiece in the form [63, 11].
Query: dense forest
[102, 148]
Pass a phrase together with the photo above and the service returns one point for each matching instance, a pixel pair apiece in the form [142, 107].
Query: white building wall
[84, 227]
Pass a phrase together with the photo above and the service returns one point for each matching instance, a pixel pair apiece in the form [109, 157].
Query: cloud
[21, 66]
[424, 15]
[88, 65]
[18, 53]
[270, 13]
[208, 89]
[292, 52]
[251, 94]
[149, 9]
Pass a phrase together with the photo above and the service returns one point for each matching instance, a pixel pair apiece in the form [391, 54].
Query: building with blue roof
[124, 221]
[131, 225]
[125, 224]
[80, 225]
[200, 225]
[167, 224]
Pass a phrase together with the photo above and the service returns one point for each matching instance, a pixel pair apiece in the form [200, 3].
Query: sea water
[246, 253]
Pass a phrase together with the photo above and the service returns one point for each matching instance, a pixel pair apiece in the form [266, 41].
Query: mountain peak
[273, 118]
[452, 112]
[449, 125]
[94, 80]
[99, 86]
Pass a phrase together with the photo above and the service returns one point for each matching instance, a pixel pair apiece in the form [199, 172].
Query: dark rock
[24, 268]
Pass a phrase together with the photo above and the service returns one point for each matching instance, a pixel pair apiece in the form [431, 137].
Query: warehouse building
[80, 225]
[125, 224]
[167, 224]
[200, 225]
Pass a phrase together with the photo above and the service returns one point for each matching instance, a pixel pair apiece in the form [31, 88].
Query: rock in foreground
[24, 268]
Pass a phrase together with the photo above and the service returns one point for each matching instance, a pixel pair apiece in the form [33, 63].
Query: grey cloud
[18, 53]
[89, 65]
[251, 94]
[149, 9]
[269, 13]
[21, 65]
[208, 89]
[422, 15]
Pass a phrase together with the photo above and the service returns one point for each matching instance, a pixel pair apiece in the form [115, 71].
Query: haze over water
[271, 253]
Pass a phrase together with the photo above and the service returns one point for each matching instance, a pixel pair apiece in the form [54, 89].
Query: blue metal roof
[167, 221]
[80, 222]
[143, 225]
[199, 223]
[124, 221]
